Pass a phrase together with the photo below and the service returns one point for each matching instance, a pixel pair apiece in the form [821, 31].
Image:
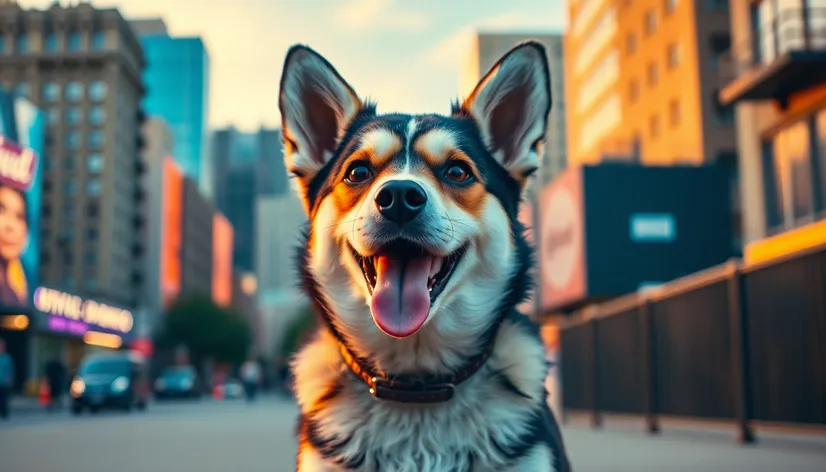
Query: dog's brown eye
[358, 174]
[457, 173]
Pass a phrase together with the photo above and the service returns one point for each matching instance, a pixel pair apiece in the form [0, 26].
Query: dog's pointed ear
[511, 105]
[316, 107]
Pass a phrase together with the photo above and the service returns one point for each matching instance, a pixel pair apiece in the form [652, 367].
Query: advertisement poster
[21, 141]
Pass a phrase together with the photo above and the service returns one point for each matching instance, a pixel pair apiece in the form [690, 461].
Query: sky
[405, 54]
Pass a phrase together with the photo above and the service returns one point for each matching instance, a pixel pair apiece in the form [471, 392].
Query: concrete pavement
[234, 436]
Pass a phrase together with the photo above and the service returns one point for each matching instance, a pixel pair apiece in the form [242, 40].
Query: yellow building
[641, 79]
[776, 78]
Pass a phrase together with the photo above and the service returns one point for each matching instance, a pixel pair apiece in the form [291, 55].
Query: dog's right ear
[316, 107]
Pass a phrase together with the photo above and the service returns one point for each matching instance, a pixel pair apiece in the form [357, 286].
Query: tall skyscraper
[641, 80]
[486, 48]
[177, 90]
[246, 166]
[83, 67]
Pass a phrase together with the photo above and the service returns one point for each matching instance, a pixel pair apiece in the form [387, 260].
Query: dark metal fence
[744, 344]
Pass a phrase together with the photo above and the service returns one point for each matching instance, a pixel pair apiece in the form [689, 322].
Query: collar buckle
[383, 389]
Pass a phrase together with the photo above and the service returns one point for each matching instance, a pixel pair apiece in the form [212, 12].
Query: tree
[297, 330]
[207, 330]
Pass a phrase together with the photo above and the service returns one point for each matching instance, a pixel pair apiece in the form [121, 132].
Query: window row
[94, 163]
[72, 42]
[74, 91]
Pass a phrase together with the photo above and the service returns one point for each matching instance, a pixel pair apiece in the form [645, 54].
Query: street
[234, 436]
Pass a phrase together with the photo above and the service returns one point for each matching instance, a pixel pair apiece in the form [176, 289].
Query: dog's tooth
[435, 266]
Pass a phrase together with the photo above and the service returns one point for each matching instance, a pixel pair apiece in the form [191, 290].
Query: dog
[415, 261]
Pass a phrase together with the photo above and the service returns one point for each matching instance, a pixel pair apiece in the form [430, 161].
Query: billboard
[171, 231]
[22, 128]
[222, 240]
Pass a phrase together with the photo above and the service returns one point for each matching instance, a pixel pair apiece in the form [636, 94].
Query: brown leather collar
[414, 389]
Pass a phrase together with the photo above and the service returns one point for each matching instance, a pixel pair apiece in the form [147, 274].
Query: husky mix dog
[416, 261]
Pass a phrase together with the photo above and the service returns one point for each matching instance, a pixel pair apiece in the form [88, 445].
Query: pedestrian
[251, 376]
[6, 379]
[55, 373]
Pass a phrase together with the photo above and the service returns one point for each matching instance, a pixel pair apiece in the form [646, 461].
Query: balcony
[785, 54]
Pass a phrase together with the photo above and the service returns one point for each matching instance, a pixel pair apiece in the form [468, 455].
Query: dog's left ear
[511, 105]
[316, 107]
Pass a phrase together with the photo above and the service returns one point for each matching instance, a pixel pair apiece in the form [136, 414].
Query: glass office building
[177, 83]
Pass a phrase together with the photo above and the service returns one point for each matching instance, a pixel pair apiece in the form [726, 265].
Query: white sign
[653, 227]
[561, 239]
[72, 307]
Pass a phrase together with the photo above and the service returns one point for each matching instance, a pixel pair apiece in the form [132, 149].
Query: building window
[674, 114]
[21, 90]
[631, 43]
[50, 42]
[670, 6]
[96, 116]
[98, 41]
[69, 162]
[74, 41]
[73, 140]
[74, 91]
[2, 43]
[791, 170]
[94, 163]
[21, 45]
[91, 258]
[97, 90]
[653, 74]
[73, 116]
[654, 126]
[68, 210]
[634, 90]
[92, 234]
[95, 139]
[673, 56]
[650, 21]
[70, 187]
[53, 116]
[51, 92]
[93, 187]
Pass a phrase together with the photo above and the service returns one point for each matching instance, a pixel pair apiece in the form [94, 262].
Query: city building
[177, 89]
[246, 166]
[281, 224]
[82, 66]
[164, 184]
[196, 243]
[222, 236]
[486, 49]
[777, 82]
[641, 81]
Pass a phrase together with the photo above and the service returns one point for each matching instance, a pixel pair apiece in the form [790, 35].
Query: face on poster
[21, 134]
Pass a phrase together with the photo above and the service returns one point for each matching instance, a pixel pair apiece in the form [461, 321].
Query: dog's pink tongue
[401, 299]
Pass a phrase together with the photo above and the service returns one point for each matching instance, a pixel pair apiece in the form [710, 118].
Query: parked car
[178, 382]
[110, 381]
[229, 388]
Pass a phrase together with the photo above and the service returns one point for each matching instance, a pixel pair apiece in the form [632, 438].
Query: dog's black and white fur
[467, 172]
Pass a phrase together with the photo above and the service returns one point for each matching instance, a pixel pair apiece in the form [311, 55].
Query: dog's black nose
[401, 200]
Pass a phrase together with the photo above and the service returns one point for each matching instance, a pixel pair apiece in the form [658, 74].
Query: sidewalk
[24, 405]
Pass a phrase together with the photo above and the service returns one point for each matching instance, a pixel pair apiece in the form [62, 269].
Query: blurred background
[148, 225]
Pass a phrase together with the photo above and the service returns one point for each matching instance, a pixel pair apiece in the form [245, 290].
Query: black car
[110, 381]
[178, 382]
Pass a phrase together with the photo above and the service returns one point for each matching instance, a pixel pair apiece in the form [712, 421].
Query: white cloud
[378, 14]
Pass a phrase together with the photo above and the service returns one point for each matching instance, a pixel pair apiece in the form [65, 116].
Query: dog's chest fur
[497, 419]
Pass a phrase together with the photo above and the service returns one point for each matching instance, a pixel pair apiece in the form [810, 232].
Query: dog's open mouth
[404, 281]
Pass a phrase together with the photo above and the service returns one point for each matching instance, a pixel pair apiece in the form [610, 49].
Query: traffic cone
[45, 397]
